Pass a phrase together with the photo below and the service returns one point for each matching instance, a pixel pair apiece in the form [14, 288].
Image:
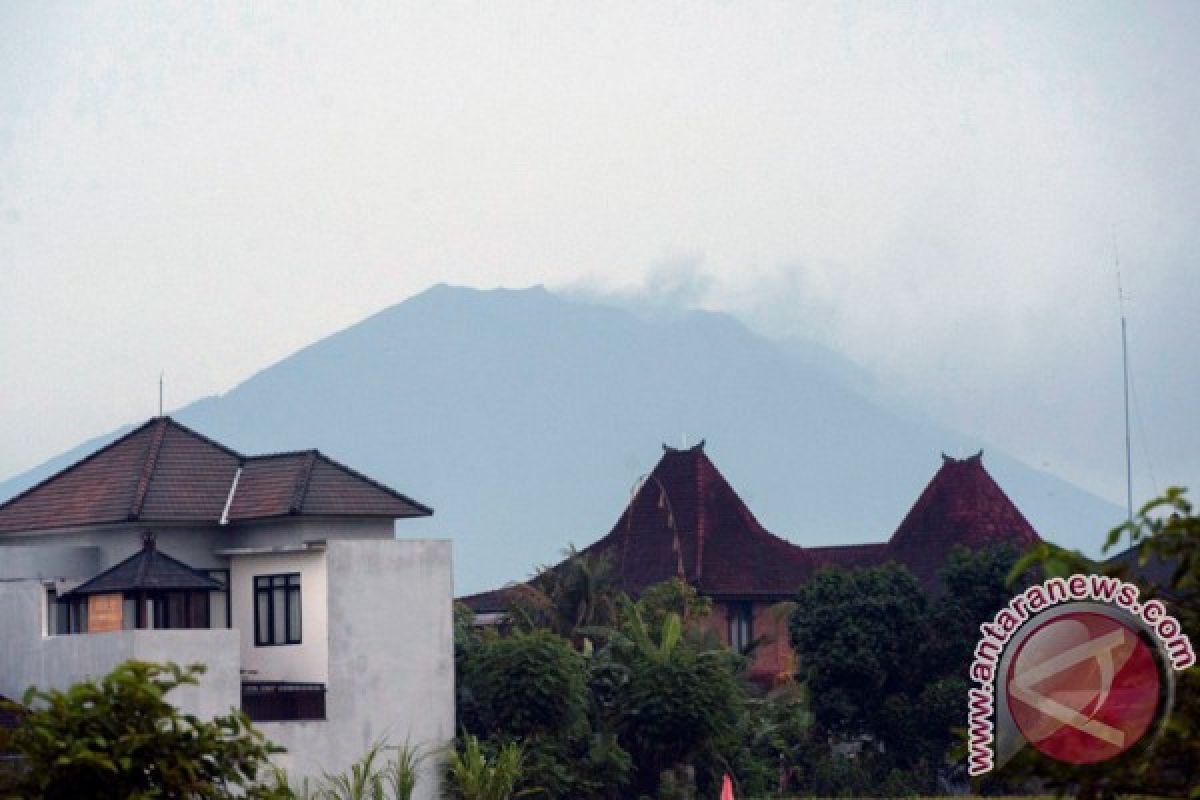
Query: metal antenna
[160, 393]
[1125, 376]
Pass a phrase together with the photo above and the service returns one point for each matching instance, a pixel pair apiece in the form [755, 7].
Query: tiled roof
[686, 519]
[849, 556]
[163, 471]
[149, 569]
[484, 602]
[962, 505]
[722, 549]
[309, 482]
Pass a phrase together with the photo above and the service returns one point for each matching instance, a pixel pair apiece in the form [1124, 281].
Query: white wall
[28, 658]
[307, 662]
[391, 658]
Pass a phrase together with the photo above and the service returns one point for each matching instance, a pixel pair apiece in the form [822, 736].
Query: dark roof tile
[165, 472]
[147, 570]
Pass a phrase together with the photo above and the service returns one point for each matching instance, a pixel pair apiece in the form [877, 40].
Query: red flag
[726, 788]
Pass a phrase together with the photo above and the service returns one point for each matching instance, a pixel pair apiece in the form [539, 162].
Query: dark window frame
[222, 576]
[267, 585]
[65, 617]
[741, 625]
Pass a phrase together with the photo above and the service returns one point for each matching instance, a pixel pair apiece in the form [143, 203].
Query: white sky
[932, 190]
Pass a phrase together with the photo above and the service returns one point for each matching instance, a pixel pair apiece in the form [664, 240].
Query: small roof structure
[164, 472]
[148, 570]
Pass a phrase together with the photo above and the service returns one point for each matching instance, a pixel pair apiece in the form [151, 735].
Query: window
[65, 616]
[277, 609]
[741, 626]
[218, 605]
[171, 610]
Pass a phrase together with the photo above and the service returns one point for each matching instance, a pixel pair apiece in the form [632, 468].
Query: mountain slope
[524, 420]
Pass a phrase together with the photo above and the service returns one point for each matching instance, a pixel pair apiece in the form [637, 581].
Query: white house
[281, 573]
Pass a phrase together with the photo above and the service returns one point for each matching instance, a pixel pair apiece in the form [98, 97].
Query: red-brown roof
[163, 471]
[849, 556]
[722, 549]
[686, 519]
[962, 505]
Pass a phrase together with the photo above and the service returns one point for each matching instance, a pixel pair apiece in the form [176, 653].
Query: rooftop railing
[282, 701]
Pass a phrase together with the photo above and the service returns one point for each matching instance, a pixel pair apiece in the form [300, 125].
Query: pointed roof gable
[147, 570]
[686, 518]
[962, 505]
[163, 471]
[159, 470]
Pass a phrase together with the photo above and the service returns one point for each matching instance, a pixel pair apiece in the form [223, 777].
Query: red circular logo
[1083, 687]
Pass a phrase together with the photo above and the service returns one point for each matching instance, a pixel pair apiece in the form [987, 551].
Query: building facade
[270, 570]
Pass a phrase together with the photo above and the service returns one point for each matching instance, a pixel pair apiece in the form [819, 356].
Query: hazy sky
[933, 190]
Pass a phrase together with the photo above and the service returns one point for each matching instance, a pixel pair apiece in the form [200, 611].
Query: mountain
[524, 418]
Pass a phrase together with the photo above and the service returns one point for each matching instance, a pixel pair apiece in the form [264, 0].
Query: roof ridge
[77, 464]
[303, 479]
[148, 467]
[280, 454]
[207, 440]
[382, 487]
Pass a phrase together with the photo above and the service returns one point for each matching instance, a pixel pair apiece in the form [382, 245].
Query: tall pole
[1125, 378]
[1128, 460]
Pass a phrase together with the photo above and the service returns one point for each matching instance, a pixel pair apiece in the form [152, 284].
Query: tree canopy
[119, 738]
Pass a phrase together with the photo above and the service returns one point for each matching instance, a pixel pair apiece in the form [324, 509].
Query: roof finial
[148, 540]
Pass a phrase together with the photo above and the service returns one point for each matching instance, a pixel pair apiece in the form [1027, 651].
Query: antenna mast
[1125, 377]
[160, 396]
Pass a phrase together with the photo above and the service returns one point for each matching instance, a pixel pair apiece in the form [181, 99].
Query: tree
[681, 702]
[120, 738]
[975, 586]
[527, 684]
[573, 599]
[859, 635]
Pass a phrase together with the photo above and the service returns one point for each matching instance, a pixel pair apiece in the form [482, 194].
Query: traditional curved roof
[163, 471]
[686, 520]
[962, 505]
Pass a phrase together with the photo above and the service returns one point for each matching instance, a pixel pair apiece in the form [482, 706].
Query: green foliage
[526, 684]
[681, 700]
[650, 698]
[120, 738]
[771, 737]
[574, 599]
[860, 634]
[365, 779]
[976, 586]
[673, 596]
[887, 665]
[473, 775]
